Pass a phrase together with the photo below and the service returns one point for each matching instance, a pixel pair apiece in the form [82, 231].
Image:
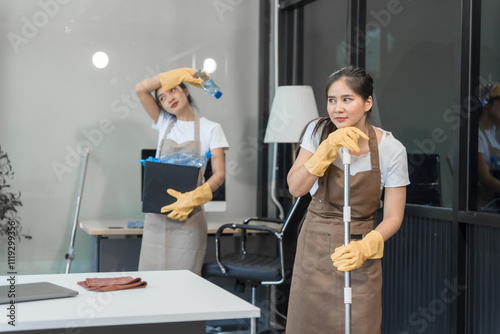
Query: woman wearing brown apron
[177, 239]
[488, 147]
[317, 294]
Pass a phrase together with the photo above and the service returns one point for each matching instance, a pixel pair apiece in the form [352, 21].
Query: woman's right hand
[327, 151]
[174, 78]
[346, 137]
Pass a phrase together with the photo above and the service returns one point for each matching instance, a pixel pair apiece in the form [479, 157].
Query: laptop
[26, 292]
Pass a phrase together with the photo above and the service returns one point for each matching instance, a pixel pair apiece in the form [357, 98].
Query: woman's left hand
[352, 256]
[186, 202]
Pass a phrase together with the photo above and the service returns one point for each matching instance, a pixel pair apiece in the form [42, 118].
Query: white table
[173, 302]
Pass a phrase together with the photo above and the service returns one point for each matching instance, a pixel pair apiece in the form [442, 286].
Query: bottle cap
[218, 95]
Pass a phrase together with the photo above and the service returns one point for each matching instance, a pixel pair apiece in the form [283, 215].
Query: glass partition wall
[429, 61]
[483, 233]
[413, 54]
[322, 28]
[487, 112]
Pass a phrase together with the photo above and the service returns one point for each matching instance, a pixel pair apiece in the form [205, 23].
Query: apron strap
[197, 133]
[198, 144]
[373, 145]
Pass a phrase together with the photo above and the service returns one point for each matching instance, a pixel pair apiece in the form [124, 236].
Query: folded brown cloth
[112, 284]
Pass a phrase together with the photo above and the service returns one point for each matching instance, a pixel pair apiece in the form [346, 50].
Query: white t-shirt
[483, 146]
[211, 134]
[393, 159]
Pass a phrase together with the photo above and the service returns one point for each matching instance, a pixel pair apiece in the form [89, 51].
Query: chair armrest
[264, 219]
[261, 219]
[243, 228]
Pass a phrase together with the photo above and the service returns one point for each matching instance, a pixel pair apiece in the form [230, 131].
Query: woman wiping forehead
[176, 238]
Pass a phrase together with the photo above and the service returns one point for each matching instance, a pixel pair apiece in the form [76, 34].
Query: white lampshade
[293, 107]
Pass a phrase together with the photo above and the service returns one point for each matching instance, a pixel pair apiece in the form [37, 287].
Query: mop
[347, 236]
[71, 249]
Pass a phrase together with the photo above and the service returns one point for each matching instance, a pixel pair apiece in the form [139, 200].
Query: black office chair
[258, 269]
[425, 179]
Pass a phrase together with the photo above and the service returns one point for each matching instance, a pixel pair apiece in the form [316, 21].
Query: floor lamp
[293, 107]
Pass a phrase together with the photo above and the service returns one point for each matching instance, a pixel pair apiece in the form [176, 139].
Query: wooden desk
[116, 247]
[174, 302]
[120, 226]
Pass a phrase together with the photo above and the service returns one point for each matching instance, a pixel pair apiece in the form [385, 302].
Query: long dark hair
[189, 98]
[358, 80]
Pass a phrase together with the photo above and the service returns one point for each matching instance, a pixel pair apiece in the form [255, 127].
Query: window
[413, 54]
[325, 30]
[488, 111]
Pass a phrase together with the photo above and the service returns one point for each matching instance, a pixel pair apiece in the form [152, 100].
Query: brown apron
[486, 195]
[169, 244]
[317, 292]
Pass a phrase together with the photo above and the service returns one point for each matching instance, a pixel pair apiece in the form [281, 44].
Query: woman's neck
[363, 143]
[364, 127]
[186, 115]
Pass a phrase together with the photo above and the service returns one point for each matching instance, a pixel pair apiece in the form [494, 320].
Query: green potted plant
[9, 218]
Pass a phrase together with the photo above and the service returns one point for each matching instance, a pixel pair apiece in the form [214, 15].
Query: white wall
[53, 102]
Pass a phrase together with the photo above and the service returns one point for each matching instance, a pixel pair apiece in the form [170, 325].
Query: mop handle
[347, 236]
[71, 248]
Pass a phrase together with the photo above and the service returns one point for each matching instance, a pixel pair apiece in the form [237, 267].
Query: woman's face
[174, 101]
[345, 107]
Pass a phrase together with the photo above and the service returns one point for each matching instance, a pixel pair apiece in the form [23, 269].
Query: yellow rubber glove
[186, 202]
[352, 256]
[327, 151]
[174, 78]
